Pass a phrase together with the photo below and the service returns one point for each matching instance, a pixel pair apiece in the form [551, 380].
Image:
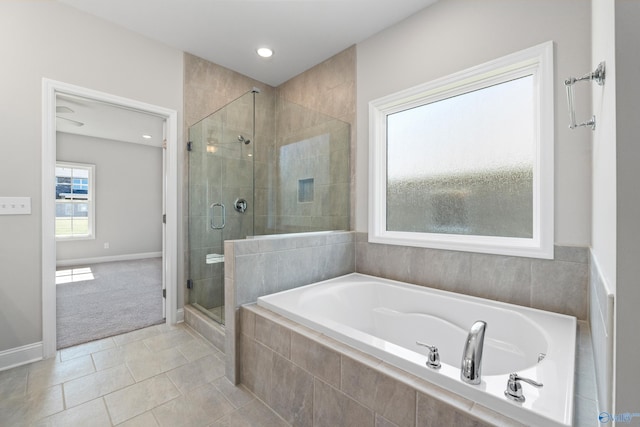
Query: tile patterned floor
[157, 376]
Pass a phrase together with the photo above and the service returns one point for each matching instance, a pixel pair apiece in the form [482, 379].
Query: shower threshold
[214, 313]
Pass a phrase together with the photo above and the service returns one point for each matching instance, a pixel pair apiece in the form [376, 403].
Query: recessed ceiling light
[146, 136]
[264, 52]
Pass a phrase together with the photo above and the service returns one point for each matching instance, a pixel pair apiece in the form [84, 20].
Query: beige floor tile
[139, 398]
[137, 335]
[197, 373]
[13, 382]
[253, 414]
[197, 348]
[155, 363]
[145, 420]
[93, 413]
[120, 355]
[95, 385]
[24, 410]
[88, 348]
[200, 407]
[238, 395]
[48, 374]
[168, 339]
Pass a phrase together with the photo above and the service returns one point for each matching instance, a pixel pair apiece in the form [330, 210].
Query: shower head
[242, 139]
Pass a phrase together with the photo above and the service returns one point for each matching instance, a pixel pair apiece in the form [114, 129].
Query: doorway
[52, 92]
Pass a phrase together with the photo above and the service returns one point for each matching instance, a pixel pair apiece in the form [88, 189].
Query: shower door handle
[224, 214]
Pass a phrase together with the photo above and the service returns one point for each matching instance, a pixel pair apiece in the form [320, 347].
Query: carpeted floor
[107, 299]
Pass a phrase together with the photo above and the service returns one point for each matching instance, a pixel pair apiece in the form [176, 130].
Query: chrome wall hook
[598, 76]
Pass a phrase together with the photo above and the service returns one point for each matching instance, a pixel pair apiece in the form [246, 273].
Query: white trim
[112, 258]
[20, 355]
[50, 88]
[537, 60]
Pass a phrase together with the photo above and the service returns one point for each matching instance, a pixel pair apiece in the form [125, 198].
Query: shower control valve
[240, 205]
[433, 360]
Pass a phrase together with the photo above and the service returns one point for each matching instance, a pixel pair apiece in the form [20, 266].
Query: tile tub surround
[310, 379]
[559, 285]
[262, 266]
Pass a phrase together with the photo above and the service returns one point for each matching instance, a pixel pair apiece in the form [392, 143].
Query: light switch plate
[15, 205]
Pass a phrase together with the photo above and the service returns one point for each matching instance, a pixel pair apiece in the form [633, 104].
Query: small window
[75, 199]
[465, 162]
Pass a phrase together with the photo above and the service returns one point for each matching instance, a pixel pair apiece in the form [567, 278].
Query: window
[466, 162]
[75, 199]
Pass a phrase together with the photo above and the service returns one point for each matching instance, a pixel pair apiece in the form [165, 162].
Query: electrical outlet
[15, 205]
[106, 245]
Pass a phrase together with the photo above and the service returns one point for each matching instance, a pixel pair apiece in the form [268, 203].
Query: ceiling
[87, 117]
[302, 33]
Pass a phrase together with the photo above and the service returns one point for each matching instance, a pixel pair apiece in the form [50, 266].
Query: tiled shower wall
[207, 88]
[329, 88]
[302, 174]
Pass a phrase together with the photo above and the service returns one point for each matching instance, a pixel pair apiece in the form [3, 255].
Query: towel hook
[598, 76]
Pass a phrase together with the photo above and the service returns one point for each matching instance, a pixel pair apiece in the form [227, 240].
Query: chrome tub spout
[472, 354]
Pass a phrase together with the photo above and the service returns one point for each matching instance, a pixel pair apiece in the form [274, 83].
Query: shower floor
[215, 313]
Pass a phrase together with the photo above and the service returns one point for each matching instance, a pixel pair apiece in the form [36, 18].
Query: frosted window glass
[464, 165]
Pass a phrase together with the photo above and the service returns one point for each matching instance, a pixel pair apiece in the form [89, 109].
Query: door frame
[50, 89]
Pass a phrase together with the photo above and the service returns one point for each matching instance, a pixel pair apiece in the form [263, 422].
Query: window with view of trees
[75, 201]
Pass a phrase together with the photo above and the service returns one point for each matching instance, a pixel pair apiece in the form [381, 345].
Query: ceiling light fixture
[264, 52]
[146, 136]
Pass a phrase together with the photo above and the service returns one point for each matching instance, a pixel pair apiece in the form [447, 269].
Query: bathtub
[385, 318]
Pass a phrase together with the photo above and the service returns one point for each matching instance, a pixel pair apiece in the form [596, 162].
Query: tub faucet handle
[514, 388]
[433, 360]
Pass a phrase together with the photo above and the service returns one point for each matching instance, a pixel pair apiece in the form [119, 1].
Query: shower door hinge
[164, 218]
[189, 146]
[189, 284]
[164, 293]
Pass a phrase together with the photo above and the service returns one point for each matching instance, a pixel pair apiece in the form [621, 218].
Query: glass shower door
[221, 198]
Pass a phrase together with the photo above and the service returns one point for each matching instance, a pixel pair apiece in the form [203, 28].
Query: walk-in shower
[260, 166]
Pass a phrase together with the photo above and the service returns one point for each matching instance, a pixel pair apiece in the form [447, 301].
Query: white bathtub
[385, 318]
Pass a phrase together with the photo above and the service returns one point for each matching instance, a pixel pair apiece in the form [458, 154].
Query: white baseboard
[97, 260]
[20, 355]
[180, 315]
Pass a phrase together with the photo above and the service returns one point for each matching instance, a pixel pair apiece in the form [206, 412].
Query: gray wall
[627, 66]
[48, 39]
[616, 205]
[454, 35]
[128, 196]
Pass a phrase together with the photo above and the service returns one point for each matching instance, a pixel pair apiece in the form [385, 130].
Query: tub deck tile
[316, 358]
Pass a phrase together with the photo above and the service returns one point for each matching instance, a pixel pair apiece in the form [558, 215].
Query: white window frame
[91, 201]
[536, 61]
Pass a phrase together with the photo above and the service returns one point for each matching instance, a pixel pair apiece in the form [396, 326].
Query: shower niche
[246, 163]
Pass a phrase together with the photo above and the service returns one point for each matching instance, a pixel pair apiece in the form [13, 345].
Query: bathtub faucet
[472, 353]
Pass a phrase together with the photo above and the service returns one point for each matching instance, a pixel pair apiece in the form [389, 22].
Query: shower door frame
[225, 128]
[50, 89]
